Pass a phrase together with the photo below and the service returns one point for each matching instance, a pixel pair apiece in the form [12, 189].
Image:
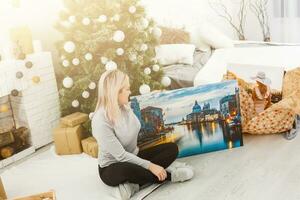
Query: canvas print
[199, 119]
[264, 83]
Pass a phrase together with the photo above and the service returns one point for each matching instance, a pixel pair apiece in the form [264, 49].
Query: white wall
[185, 14]
[190, 13]
[39, 15]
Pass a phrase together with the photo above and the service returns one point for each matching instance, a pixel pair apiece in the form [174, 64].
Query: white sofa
[287, 57]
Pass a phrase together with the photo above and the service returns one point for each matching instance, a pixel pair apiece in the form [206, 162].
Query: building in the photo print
[202, 114]
[229, 105]
[153, 119]
[135, 106]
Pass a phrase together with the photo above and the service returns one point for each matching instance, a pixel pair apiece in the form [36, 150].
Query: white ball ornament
[144, 47]
[156, 32]
[144, 89]
[132, 57]
[111, 65]
[119, 51]
[86, 21]
[91, 115]
[102, 18]
[75, 103]
[69, 47]
[144, 23]
[75, 61]
[147, 70]
[68, 82]
[88, 56]
[166, 81]
[85, 94]
[118, 36]
[132, 9]
[92, 85]
[72, 19]
[155, 68]
[66, 63]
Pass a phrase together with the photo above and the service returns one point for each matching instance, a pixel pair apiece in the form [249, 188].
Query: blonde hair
[109, 86]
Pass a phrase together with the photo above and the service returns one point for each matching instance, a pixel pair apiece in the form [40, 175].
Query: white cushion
[206, 35]
[212, 72]
[168, 54]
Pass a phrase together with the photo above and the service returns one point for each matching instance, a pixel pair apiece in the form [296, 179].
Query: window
[286, 8]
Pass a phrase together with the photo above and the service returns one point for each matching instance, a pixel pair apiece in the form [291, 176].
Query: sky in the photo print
[177, 104]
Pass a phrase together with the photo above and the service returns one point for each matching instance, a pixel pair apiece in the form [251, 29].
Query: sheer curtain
[285, 20]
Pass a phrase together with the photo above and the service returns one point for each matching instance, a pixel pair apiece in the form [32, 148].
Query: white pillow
[206, 35]
[168, 54]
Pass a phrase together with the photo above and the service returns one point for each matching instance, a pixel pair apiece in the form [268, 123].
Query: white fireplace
[36, 104]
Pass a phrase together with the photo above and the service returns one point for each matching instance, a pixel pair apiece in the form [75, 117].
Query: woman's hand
[158, 171]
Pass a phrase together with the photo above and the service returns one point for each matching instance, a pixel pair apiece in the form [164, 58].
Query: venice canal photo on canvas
[199, 119]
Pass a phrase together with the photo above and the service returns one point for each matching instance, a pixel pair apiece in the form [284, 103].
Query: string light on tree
[144, 89]
[104, 60]
[119, 36]
[102, 18]
[111, 65]
[66, 63]
[66, 24]
[147, 70]
[86, 21]
[69, 47]
[155, 68]
[88, 56]
[144, 47]
[85, 94]
[68, 82]
[132, 9]
[132, 57]
[72, 19]
[75, 103]
[116, 18]
[75, 61]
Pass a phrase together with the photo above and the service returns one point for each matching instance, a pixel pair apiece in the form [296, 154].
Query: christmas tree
[104, 35]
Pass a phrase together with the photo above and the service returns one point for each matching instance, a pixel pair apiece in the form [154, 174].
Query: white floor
[267, 167]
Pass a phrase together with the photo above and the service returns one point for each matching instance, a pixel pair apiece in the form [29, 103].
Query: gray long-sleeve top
[117, 143]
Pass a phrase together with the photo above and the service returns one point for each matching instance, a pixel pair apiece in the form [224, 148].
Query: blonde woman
[115, 127]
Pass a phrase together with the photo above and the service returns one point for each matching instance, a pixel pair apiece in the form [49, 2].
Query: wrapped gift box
[90, 146]
[2, 191]
[74, 119]
[42, 196]
[67, 140]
